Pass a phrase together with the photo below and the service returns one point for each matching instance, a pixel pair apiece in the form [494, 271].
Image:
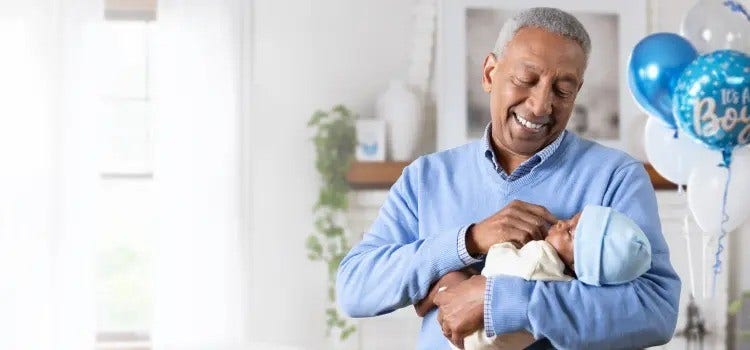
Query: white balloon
[706, 190]
[636, 140]
[674, 158]
[713, 25]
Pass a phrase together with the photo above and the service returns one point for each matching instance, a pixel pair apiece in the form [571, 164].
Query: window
[123, 272]
[123, 245]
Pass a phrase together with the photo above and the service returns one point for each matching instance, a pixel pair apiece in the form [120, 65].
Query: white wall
[310, 55]
[307, 55]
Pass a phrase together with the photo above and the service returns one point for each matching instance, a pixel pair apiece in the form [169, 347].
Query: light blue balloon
[653, 69]
[712, 99]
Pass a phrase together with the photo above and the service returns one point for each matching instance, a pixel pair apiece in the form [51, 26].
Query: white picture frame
[627, 18]
[371, 138]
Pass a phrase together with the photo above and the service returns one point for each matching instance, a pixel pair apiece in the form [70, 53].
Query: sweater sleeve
[573, 315]
[393, 266]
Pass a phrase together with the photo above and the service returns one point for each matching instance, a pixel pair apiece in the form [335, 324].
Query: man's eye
[523, 82]
[564, 90]
[563, 93]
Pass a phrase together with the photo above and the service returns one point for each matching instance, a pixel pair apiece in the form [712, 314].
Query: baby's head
[602, 246]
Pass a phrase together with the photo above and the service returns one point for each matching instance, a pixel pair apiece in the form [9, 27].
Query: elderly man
[448, 208]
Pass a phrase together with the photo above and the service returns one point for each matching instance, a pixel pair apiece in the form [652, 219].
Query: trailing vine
[335, 141]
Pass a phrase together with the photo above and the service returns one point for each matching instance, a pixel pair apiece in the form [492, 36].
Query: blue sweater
[418, 234]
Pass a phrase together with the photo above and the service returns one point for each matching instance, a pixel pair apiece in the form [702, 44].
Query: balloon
[712, 99]
[717, 24]
[653, 69]
[675, 156]
[706, 189]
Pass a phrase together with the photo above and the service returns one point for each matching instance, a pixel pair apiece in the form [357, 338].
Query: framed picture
[370, 140]
[467, 32]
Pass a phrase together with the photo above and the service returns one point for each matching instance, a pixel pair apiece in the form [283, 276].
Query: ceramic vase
[402, 112]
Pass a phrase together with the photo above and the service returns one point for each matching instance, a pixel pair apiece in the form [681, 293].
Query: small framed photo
[370, 140]
[467, 33]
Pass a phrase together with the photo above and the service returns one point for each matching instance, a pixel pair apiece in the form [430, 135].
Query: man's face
[532, 87]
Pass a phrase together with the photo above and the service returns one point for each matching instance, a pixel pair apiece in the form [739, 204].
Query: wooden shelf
[381, 175]
[374, 175]
[660, 183]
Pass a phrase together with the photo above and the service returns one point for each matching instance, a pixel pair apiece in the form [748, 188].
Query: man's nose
[540, 100]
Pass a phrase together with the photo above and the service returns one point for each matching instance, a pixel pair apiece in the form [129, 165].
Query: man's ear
[490, 62]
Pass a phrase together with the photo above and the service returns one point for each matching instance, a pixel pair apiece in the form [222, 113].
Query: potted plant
[335, 142]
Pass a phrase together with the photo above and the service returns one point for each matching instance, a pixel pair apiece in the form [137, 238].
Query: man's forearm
[376, 278]
[393, 266]
[573, 315]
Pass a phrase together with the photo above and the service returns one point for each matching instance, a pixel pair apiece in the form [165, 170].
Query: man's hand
[519, 222]
[461, 309]
[448, 280]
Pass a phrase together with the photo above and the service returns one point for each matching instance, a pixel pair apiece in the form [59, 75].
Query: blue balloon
[712, 99]
[653, 69]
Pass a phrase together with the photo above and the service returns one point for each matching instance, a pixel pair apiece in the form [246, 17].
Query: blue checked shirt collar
[526, 166]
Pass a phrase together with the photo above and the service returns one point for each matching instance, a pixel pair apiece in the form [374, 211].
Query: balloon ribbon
[737, 7]
[724, 218]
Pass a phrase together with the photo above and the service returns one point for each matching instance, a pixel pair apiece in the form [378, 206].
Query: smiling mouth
[533, 127]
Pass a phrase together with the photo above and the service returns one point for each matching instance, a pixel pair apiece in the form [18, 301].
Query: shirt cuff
[506, 303]
[443, 252]
[489, 327]
[463, 254]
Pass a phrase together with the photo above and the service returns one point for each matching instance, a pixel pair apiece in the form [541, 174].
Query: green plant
[335, 140]
[736, 305]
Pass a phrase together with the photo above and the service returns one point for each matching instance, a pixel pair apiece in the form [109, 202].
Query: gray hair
[549, 19]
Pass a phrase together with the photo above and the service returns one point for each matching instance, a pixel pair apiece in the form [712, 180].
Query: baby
[600, 245]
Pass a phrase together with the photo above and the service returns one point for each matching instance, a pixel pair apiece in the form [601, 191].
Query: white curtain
[46, 172]
[201, 272]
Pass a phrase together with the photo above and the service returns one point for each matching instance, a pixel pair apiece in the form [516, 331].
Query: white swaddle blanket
[537, 260]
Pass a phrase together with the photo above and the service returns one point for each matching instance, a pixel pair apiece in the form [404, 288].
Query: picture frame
[467, 29]
[371, 144]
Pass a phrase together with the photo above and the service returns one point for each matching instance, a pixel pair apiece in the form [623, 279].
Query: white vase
[402, 111]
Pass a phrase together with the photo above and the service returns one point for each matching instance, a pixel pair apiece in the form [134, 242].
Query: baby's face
[560, 236]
